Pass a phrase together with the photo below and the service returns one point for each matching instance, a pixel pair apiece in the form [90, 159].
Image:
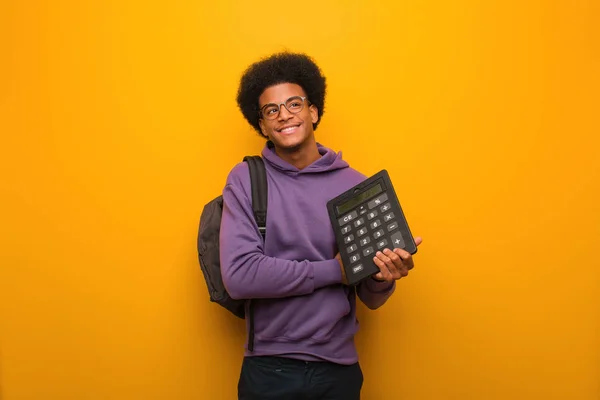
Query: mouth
[288, 129]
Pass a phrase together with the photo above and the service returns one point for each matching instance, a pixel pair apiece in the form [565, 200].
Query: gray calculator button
[362, 209]
[359, 222]
[354, 258]
[357, 268]
[364, 241]
[378, 234]
[392, 226]
[348, 239]
[381, 244]
[348, 217]
[352, 248]
[385, 207]
[376, 224]
[361, 232]
[378, 201]
[368, 251]
[397, 240]
[346, 229]
[371, 215]
[388, 217]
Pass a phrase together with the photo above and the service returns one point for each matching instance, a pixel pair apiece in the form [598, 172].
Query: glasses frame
[304, 102]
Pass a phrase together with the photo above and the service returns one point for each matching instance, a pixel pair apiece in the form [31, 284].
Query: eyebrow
[279, 102]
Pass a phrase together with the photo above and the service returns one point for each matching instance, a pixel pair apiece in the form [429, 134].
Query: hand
[344, 278]
[394, 265]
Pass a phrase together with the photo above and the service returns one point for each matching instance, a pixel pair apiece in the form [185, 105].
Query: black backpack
[208, 238]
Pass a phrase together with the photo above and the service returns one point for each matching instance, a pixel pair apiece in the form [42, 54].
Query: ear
[263, 129]
[314, 113]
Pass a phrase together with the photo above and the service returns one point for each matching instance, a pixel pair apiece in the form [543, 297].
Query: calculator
[368, 218]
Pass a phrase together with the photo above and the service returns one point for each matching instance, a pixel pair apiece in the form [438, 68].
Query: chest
[298, 225]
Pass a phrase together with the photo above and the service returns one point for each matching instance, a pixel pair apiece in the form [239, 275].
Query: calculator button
[359, 222]
[348, 239]
[376, 224]
[348, 217]
[388, 217]
[354, 258]
[371, 215]
[357, 268]
[368, 251]
[377, 201]
[365, 241]
[362, 209]
[361, 232]
[352, 248]
[397, 240]
[346, 229]
[392, 226]
[385, 207]
[381, 244]
[378, 234]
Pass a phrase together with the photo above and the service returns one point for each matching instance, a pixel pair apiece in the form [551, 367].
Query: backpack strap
[258, 180]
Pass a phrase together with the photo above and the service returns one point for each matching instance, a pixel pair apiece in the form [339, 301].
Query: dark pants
[270, 378]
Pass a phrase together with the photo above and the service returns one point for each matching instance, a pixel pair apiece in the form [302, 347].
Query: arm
[374, 294]
[247, 272]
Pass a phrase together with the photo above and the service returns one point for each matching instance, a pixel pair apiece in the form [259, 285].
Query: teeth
[288, 130]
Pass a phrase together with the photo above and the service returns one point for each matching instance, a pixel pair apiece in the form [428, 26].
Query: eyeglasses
[294, 105]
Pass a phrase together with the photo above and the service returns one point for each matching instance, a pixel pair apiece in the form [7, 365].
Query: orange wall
[118, 123]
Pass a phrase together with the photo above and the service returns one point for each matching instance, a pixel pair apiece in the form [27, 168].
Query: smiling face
[288, 131]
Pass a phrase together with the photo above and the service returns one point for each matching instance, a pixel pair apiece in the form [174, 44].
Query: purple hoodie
[301, 308]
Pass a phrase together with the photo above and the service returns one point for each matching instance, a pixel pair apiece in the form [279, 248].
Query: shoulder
[238, 180]
[239, 174]
[352, 175]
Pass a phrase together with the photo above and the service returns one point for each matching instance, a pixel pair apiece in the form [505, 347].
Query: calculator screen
[353, 202]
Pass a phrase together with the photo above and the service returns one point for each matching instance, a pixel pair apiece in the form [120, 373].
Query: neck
[300, 156]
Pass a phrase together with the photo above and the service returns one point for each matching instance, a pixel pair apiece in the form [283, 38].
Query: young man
[304, 314]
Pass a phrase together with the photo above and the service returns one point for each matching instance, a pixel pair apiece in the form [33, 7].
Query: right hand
[344, 278]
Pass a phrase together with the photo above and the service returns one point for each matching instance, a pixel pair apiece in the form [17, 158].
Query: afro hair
[279, 68]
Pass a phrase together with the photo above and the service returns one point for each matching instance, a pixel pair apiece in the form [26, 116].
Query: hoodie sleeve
[374, 294]
[247, 272]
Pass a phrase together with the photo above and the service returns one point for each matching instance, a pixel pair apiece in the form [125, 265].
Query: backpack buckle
[262, 230]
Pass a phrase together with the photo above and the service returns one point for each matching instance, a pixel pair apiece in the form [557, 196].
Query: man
[304, 314]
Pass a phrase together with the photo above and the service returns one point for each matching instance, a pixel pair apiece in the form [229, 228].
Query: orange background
[118, 123]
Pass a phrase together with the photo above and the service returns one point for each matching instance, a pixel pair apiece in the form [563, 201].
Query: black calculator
[368, 218]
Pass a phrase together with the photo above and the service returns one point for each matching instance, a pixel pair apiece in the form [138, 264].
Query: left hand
[394, 265]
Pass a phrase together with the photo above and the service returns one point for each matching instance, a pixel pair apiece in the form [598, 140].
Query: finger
[394, 272]
[406, 257]
[396, 266]
[391, 265]
[395, 258]
[418, 240]
[384, 272]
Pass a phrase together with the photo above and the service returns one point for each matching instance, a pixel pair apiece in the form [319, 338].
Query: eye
[294, 105]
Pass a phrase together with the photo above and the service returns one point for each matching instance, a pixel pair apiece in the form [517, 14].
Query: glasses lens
[294, 104]
[270, 111]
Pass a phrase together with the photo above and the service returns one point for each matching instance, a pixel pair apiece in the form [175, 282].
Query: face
[288, 131]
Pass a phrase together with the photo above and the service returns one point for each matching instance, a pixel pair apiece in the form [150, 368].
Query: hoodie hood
[329, 161]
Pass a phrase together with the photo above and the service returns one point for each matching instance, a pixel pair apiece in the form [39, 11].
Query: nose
[284, 114]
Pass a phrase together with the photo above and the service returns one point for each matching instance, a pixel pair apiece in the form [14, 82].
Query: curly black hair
[279, 68]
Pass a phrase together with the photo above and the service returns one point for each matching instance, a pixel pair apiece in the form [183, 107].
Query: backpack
[208, 238]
